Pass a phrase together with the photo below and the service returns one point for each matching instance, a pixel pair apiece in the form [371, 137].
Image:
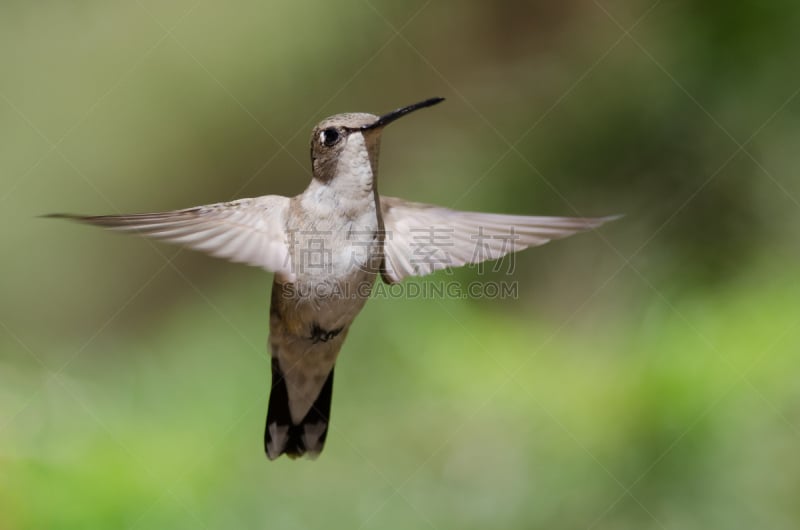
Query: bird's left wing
[423, 238]
[251, 231]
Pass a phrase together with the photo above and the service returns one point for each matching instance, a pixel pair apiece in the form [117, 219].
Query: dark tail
[281, 435]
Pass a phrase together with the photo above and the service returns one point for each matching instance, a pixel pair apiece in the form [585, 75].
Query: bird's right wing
[423, 238]
[251, 231]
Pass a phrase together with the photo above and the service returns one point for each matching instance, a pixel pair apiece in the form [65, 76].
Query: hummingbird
[326, 247]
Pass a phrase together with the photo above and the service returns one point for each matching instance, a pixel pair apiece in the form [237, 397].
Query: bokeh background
[645, 377]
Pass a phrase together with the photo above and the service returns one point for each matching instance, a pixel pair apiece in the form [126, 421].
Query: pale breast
[336, 255]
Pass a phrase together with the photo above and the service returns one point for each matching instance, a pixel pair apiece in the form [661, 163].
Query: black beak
[386, 119]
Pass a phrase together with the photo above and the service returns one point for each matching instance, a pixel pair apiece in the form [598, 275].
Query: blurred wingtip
[100, 220]
[59, 216]
[594, 223]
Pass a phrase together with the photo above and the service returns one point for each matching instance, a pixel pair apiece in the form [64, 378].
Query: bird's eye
[329, 137]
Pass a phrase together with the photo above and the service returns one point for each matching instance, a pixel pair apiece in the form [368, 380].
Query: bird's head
[348, 144]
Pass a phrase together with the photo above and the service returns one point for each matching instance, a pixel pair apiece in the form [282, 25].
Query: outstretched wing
[251, 231]
[423, 238]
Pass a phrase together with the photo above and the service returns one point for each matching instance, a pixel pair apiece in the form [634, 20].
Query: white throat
[352, 188]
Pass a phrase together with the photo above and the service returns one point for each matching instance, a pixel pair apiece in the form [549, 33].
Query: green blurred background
[646, 377]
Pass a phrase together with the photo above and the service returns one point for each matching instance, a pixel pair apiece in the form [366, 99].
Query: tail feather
[282, 435]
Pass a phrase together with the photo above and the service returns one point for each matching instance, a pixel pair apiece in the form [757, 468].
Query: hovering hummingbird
[326, 247]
